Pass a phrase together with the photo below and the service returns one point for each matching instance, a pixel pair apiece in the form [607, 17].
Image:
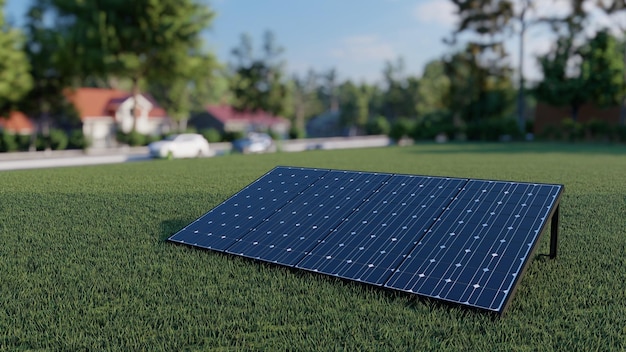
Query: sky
[356, 37]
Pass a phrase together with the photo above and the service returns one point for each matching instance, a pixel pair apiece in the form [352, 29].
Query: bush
[212, 135]
[378, 125]
[296, 133]
[572, 130]
[58, 139]
[400, 129]
[23, 142]
[8, 142]
[551, 132]
[231, 136]
[78, 140]
[621, 133]
[598, 129]
[136, 139]
[133, 139]
[492, 129]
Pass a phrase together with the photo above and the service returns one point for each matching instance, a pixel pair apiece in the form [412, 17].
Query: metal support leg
[554, 232]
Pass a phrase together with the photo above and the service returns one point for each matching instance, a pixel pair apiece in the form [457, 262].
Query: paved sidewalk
[47, 159]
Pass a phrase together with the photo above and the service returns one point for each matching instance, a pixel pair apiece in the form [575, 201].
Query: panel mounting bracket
[554, 232]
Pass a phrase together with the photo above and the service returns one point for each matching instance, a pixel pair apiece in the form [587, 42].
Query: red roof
[226, 113]
[99, 102]
[17, 123]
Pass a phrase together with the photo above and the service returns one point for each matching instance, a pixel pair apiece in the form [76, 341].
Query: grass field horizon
[84, 263]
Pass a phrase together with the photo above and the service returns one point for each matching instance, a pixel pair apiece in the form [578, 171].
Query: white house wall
[100, 131]
[125, 118]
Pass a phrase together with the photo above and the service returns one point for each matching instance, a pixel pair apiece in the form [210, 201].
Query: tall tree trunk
[622, 112]
[521, 101]
[133, 109]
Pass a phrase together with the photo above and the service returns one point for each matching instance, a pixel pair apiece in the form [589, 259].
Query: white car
[186, 145]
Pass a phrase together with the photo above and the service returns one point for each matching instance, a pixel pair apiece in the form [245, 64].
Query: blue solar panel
[227, 223]
[476, 249]
[305, 221]
[369, 244]
[459, 240]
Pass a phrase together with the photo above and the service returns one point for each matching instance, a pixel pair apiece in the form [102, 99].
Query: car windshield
[171, 138]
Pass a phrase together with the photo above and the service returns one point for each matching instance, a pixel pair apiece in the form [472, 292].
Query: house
[327, 124]
[104, 112]
[17, 123]
[225, 118]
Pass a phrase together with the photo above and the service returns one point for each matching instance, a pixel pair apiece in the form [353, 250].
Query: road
[39, 160]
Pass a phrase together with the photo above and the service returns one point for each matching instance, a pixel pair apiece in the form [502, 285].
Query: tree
[305, 98]
[182, 93]
[575, 75]
[493, 21]
[52, 71]
[613, 8]
[257, 82]
[401, 92]
[354, 105]
[130, 39]
[432, 89]
[15, 79]
[477, 92]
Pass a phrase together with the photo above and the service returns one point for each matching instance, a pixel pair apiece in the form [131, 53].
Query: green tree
[15, 79]
[492, 22]
[130, 39]
[52, 70]
[257, 82]
[575, 75]
[306, 102]
[400, 97]
[191, 84]
[354, 105]
[477, 91]
[612, 8]
[433, 88]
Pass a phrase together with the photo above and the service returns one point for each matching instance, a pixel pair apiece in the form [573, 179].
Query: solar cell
[459, 240]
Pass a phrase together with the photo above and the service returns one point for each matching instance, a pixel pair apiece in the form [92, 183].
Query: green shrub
[212, 135]
[78, 140]
[136, 139]
[598, 129]
[58, 139]
[8, 142]
[296, 133]
[231, 136]
[378, 125]
[551, 132]
[492, 129]
[620, 131]
[572, 130]
[400, 129]
[23, 142]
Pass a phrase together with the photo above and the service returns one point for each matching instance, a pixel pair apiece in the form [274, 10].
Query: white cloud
[363, 48]
[436, 11]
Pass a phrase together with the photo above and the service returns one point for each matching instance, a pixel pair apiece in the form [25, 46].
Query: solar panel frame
[273, 215]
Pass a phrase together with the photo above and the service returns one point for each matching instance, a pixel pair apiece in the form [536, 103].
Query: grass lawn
[84, 264]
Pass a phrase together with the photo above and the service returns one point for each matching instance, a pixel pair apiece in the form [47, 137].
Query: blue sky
[354, 36]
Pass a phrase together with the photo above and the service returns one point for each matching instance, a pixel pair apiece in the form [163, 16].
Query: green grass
[84, 265]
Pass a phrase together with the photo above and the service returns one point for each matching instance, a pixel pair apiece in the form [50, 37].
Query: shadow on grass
[170, 227]
[513, 148]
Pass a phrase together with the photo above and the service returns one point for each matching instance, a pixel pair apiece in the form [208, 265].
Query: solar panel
[458, 240]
